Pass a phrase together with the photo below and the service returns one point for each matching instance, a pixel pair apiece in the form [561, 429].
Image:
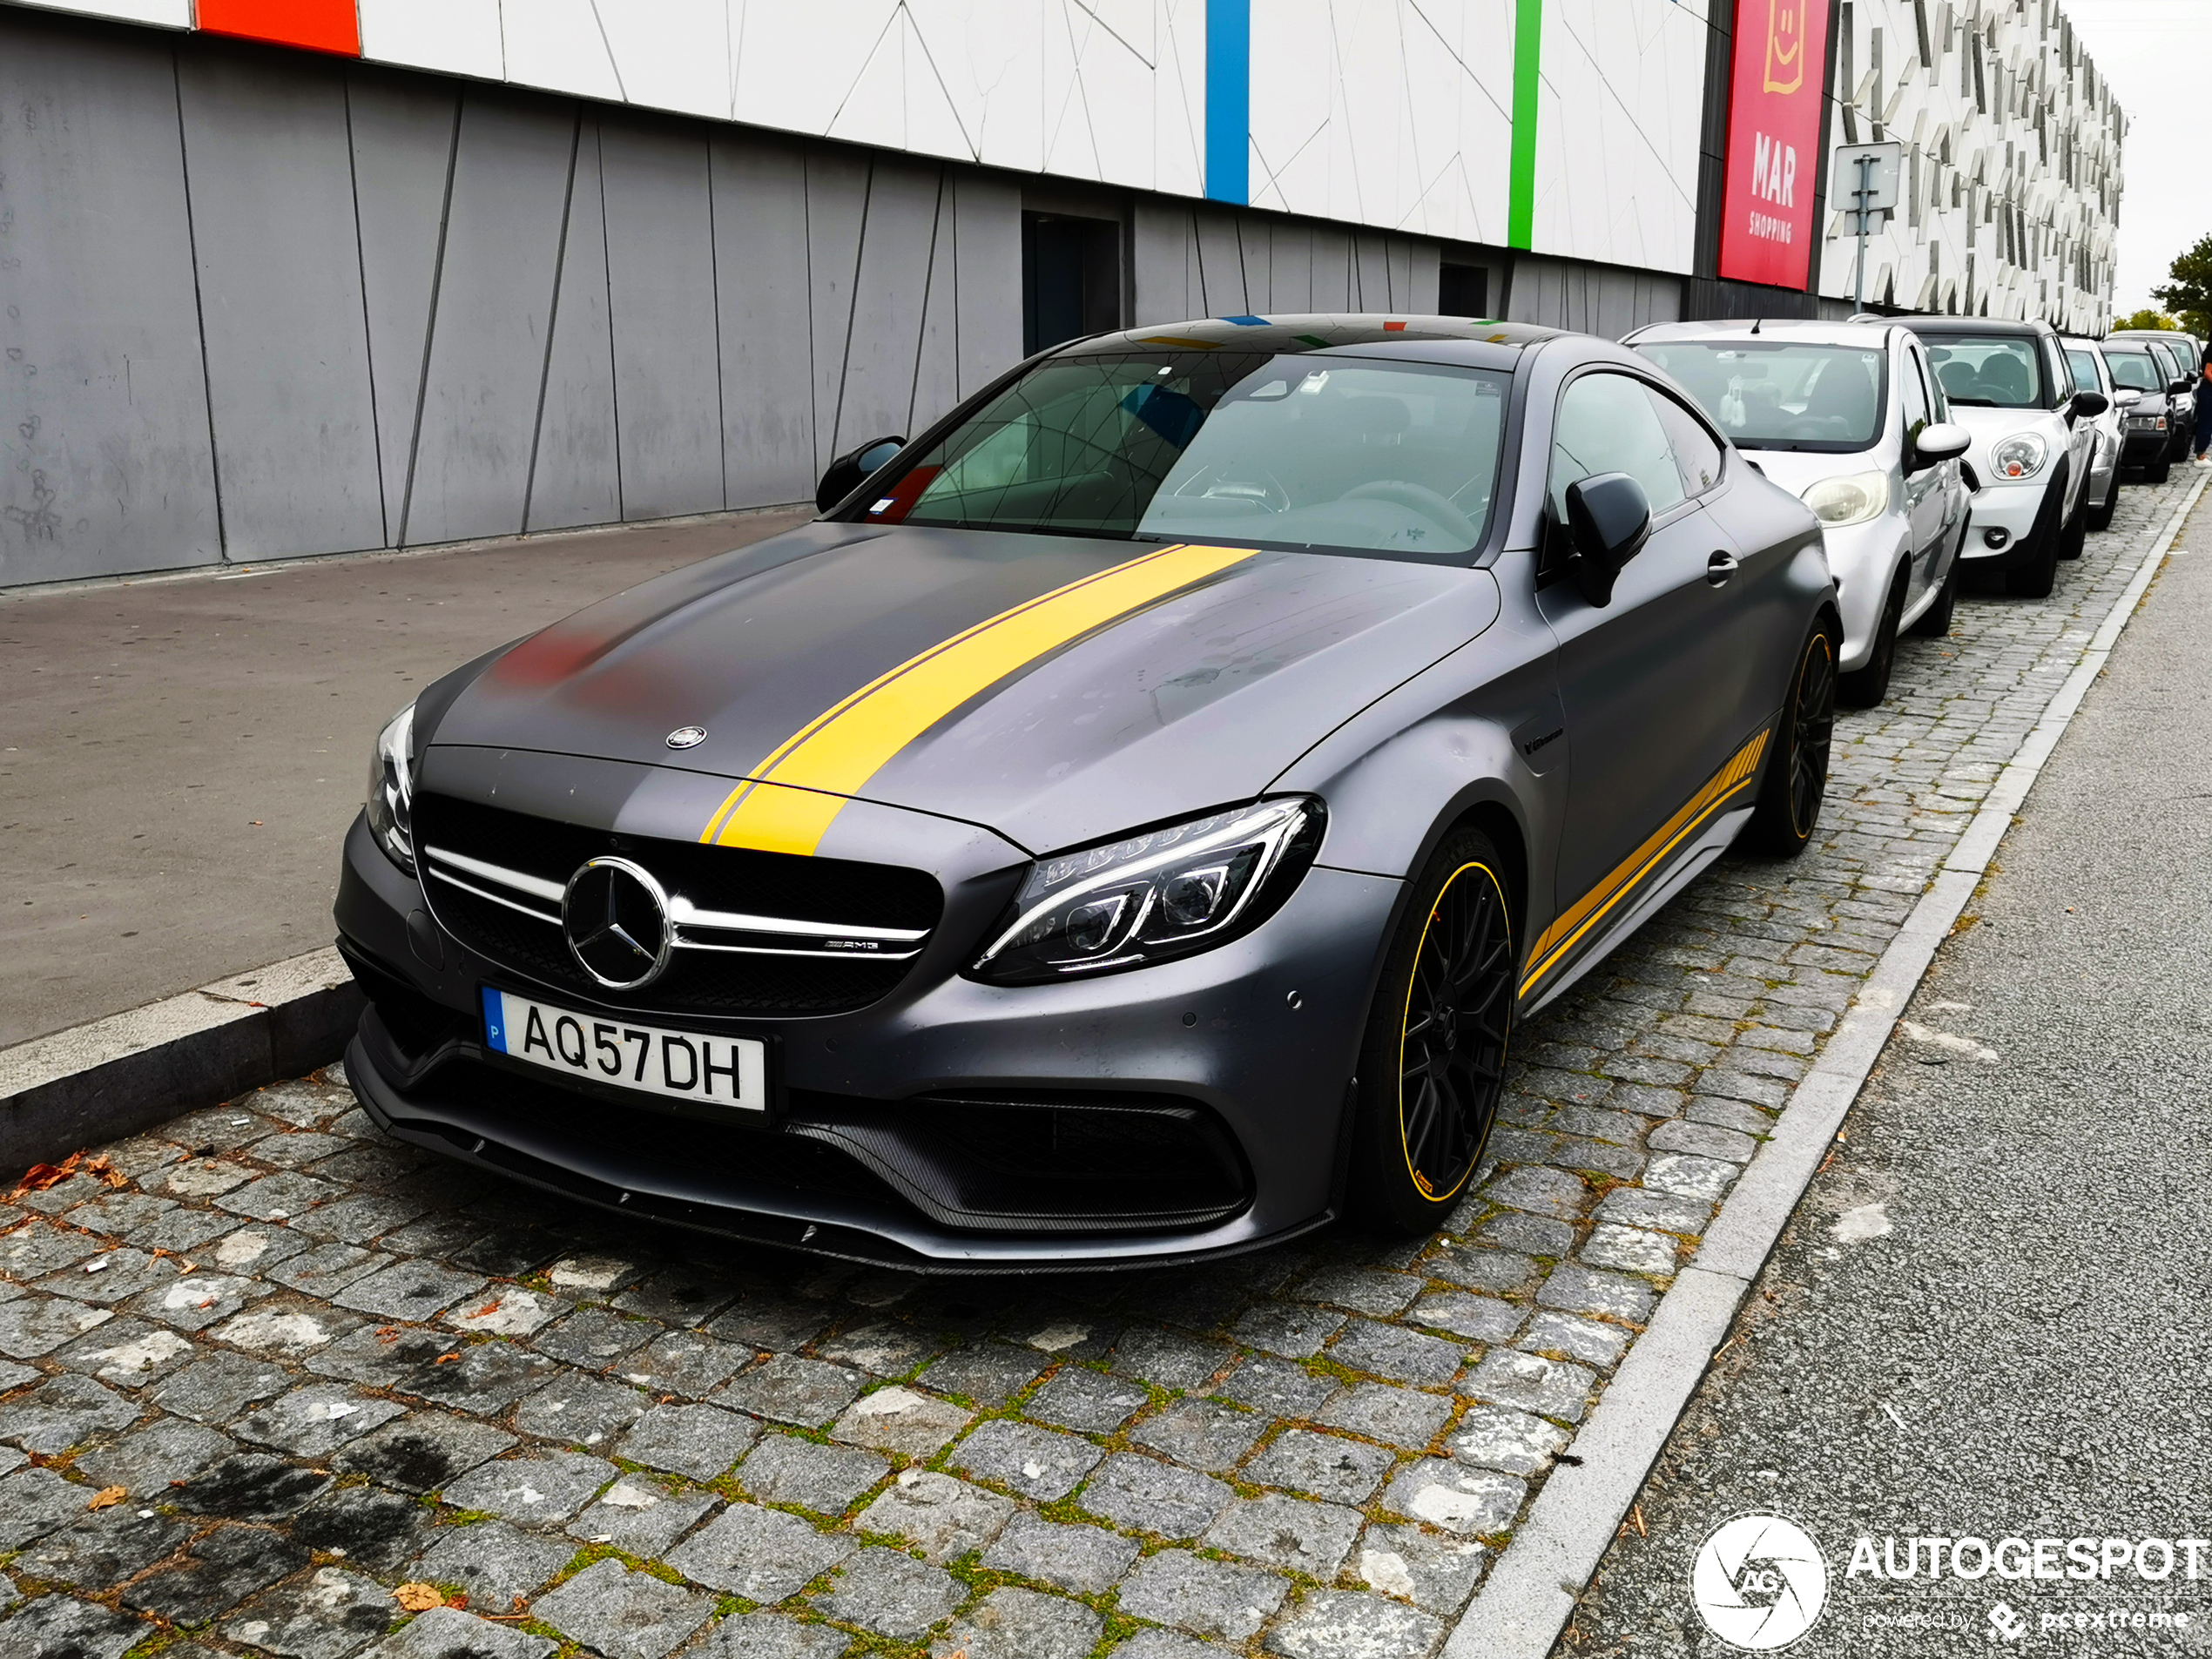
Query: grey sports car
[1125, 826]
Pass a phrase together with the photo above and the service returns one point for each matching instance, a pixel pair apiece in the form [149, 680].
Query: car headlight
[2018, 456]
[1150, 897]
[1853, 499]
[391, 789]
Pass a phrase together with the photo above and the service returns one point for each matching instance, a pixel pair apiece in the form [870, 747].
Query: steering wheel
[1264, 491]
[1421, 499]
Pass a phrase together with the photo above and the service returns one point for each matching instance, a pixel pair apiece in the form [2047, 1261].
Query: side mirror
[1941, 441]
[2127, 398]
[2182, 386]
[2089, 405]
[845, 473]
[1608, 520]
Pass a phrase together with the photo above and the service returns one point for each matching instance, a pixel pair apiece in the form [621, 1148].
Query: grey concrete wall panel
[575, 477]
[1424, 269]
[660, 280]
[1332, 271]
[281, 304]
[837, 205]
[104, 462]
[402, 138]
[877, 395]
[1255, 258]
[495, 290]
[936, 378]
[1221, 266]
[987, 278]
[1289, 271]
[760, 272]
[1164, 250]
[1370, 274]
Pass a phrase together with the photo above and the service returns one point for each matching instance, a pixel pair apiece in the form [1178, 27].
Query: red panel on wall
[319, 25]
[1774, 159]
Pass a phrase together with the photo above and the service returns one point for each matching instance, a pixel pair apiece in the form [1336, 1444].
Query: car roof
[2113, 342]
[1469, 341]
[2000, 327]
[1812, 331]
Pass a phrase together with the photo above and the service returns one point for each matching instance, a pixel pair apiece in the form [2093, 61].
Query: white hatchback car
[1846, 416]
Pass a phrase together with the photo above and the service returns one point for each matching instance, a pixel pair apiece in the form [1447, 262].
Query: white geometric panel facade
[1389, 112]
[1621, 102]
[2010, 189]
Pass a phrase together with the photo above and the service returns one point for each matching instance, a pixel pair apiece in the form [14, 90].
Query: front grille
[737, 983]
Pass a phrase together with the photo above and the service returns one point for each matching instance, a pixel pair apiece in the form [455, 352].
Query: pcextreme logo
[1759, 1582]
[1785, 45]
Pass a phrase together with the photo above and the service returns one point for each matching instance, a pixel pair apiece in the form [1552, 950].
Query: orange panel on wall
[321, 26]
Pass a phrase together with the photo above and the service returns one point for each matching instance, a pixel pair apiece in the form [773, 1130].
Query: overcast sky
[2158, 56]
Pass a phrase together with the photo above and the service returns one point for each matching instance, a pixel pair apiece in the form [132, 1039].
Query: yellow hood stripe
[1568, 932]
[835, 753]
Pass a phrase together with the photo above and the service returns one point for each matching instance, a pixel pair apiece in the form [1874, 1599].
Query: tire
[2076, 535]
[2157, 471]
[1865, 687]
[1426, 1101]
[1935, 621]
[1797, 770]
[2034, 579]
[2101, 514]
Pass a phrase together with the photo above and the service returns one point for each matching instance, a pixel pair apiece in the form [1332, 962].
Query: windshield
[1293, 451]
[2135, 370]
[1783, 394]
[2084, 364]
[1988, 372]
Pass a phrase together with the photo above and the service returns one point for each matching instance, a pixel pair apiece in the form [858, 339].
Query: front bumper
[2145, 445]
[2010, 507]
[1253, 1044]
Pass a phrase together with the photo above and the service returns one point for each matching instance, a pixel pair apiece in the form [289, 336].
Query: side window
[1605, 423]
[1697, 454]
[2061, 373]
[1913, 393]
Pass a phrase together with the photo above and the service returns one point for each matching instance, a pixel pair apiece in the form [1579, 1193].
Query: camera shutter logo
[1759, 1582]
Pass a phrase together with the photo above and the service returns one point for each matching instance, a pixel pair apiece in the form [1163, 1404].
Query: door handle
[1720, 567]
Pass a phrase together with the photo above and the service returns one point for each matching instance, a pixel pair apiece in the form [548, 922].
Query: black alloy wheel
[1433, 1064]
[1796, 772]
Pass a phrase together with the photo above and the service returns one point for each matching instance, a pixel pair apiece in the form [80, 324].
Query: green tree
[2145, 319]
[2189, 294]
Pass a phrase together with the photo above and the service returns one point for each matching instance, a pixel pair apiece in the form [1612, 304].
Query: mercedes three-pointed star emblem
[616, 918]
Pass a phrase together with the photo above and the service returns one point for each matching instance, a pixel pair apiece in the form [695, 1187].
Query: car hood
[1054, 689]
[1799, 471]
[1990, 426]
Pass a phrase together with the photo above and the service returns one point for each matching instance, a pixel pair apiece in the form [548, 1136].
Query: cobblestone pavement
[269, 1366]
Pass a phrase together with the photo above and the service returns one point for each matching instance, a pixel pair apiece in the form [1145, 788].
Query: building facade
[296, 277]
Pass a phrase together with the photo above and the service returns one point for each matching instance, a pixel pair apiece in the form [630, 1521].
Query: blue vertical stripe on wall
[1229, 99]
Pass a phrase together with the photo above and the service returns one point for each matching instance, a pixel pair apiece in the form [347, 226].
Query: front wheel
[1865, 687]
[1797, 769]
[2101, 514]
[2034, 578]
[1935, 621]
[2076, 536]
[2158, 471]
[1433, 1064]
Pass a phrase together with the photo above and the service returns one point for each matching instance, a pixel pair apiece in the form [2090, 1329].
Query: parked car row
[1130, 823]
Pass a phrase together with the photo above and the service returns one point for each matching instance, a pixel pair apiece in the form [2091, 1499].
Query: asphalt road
[179, 758]
[1990, 1317]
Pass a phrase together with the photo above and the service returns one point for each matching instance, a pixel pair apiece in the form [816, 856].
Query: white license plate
[648, 1059]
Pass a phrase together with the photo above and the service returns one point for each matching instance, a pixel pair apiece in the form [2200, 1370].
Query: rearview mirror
[2088, 405]
[845, 473]
[1941, 441]
[1609, 519]
[2182, 386]
[2125, 398]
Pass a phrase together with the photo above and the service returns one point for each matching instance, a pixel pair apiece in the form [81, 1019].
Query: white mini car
[1847, 417]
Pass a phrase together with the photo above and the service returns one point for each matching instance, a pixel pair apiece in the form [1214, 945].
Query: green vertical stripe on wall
[1527, 44]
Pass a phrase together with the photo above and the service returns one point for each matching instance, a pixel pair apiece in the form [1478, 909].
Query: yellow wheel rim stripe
[834, 754]
[1406, 1019]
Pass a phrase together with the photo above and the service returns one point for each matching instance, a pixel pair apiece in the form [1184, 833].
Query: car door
[1927, 496]
[1649, 682]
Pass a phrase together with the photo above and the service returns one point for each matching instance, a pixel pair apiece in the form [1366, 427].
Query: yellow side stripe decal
[1568, 931]
[835, 753]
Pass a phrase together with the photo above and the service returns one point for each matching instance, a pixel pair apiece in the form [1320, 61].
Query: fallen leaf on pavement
[419, 1597]
[108, 1497]
[39, 1176]
[447, 1358]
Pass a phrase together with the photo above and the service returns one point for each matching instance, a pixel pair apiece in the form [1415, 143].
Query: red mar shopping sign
[1781, 76]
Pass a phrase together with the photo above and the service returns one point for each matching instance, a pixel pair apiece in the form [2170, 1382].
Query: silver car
[2092, 374]
[1847, 417]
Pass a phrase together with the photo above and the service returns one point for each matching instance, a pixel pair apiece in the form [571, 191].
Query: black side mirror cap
[2090, 404]
[1608, 520]
[2182, 386]
[845, 474]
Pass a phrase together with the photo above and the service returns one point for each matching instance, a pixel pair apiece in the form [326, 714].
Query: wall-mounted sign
[1775, 93]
